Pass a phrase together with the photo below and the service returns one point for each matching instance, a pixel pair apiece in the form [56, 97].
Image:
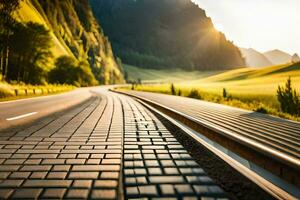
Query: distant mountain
[255, 58]
[165, 34]
[75, 32]
[278, 57]
[295, 58]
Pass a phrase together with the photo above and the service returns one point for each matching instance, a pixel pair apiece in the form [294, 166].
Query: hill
[278, 57]
[163, 76]
[165, 34]
[247, 81]
[76, 33]
[254, 58]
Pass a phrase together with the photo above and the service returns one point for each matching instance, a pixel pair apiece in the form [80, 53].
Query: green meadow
[248, 88]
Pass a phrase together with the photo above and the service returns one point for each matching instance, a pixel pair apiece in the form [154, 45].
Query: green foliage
[179, 92]
[288, 98]
[7, 23]
[4, 92]
[261, 109]
[151, 39]
[194, 93]
[70, 71]
[225, 95]
[30, 53]
[173, 90]
[74, 25]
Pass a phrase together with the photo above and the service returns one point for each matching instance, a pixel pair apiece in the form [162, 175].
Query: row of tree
[25, 54]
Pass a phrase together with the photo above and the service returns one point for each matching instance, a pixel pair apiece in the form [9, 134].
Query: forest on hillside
[165, 34]
[27, 47]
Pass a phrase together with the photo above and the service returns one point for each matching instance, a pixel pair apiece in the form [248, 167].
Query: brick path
[79, 155]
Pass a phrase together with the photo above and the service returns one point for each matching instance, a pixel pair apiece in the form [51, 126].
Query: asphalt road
[23, 111]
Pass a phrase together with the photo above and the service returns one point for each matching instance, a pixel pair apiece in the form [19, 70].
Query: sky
[260, 24]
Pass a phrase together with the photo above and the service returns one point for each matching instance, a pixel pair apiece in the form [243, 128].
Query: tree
[69, 71]
[194, 94]
[225, 95]
[288, 98]
[7, 22]
[30, 53]
[173, 90]
[85, 75]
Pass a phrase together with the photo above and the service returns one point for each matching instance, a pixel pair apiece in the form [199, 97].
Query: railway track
[263, 148]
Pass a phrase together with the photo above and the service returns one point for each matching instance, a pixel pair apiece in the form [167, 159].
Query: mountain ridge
[165, 34]
[278, 57]
[75, 33]
[254, 58]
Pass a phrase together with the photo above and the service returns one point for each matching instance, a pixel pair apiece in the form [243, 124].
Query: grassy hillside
[76, 33]
[251, 81]
[28, 13]
[248, 88]
[163, 76]
[240, 81]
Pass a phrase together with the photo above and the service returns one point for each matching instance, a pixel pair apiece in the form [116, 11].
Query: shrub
[194, 94]
[262, 109]
[4, 92]
[173, 90]
[179, 93]
[225, 95]
[69, 71]
[288, 98]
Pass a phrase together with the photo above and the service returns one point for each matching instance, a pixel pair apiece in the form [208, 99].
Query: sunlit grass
[28, 12]
[248, 88]
[20, 91]
[165, 75]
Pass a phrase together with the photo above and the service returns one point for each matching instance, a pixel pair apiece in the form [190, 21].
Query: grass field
[248, 88]
[20, 91]
[164, 76]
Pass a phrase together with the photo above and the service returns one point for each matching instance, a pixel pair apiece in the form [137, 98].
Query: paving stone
[38, 175]
[77, 194]
[132, 191]
[9, 168]
[83, 183]
[26, 193]
[166, 179]
[106, 184]
[5, 193]
[109, 175]
[148, 190]
[40, 168]
[10, 183]
[4, 175]
[54, 193]
[19, 175]
[167, 189]
[83, 175]
[61, 168]
[47, 183]
[154, 171]
[104, 194]
[56, 175]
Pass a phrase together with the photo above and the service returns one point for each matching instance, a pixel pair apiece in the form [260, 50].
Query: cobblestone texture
[156, 165]
[77, 155]
[80, 154]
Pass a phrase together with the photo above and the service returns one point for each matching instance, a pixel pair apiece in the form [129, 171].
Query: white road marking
[21, 116]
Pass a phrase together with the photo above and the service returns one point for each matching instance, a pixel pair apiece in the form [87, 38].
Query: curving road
[13, 113]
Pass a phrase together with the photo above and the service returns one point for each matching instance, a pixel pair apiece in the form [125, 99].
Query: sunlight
[277, 22]
[219, 27]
